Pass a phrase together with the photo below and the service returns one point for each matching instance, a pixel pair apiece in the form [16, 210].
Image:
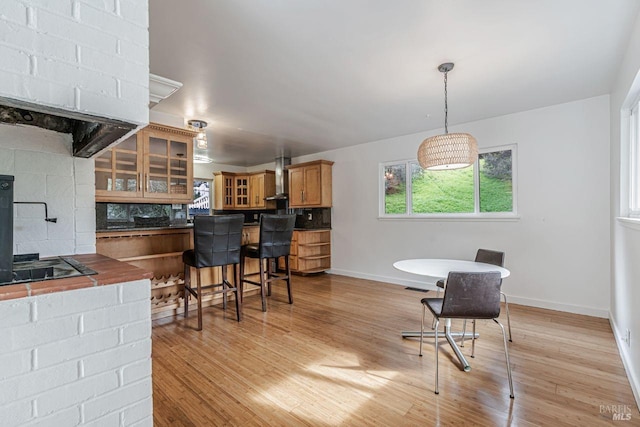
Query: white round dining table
[440, 269]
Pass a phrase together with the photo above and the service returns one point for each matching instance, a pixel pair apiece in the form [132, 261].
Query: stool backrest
[217, 239]
[472, 295]
[276, 232]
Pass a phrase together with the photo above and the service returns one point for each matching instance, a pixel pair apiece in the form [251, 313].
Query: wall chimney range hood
[91, 134]
[282, 178]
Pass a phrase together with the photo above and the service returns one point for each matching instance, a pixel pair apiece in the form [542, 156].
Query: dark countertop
[183, 226]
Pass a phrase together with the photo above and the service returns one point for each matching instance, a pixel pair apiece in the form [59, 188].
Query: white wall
[77, 357]
[90, 57]
[556, 251]
[45, 171]
[625, 253]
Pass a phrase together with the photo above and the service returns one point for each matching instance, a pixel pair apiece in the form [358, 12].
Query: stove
[29, 268]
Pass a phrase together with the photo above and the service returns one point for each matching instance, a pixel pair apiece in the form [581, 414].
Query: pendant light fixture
[201, 138]
[449, 150]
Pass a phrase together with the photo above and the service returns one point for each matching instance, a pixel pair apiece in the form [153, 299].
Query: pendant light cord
[446, 106]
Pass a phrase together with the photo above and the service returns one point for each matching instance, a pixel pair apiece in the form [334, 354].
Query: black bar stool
[276, 232]
[217, 241]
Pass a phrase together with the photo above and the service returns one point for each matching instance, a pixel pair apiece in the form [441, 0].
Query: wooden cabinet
[153, 166]
[261, 185]
[310, 184]
[244, 191]
[223, 194]
[310, 251]
[241, 192]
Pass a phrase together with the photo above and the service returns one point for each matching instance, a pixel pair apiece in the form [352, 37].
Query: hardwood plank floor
[336, 357]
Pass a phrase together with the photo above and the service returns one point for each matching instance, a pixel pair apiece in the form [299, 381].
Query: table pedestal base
[449, 336]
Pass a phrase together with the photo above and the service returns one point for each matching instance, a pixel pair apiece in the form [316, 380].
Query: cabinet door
[118, 170]
[296, 187]
[241, 188]
[227, 188]
[167, 167]
[257, 191]
[312, 186]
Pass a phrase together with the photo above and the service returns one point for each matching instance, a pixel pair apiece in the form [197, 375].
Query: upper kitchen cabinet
[154, 166]
[244, 190]
[310, 184]
[223, 194]
[262, 184]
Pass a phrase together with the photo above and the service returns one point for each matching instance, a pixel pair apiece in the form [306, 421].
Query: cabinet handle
[147, 182]
[302, 191]
[140, 181]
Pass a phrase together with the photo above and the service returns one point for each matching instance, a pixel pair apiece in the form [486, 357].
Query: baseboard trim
[550, 305]
[626, 360]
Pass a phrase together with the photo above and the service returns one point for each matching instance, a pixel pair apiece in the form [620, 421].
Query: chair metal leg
[199, 298]
[464, 332]
[187, 284]
[506, 308]
[506, 355]
[473, 339]
[436, 342]
[424, 309]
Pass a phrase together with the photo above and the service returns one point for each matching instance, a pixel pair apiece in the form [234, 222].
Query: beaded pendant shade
[449, 150]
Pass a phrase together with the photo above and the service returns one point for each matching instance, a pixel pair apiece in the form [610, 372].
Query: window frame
[634, 162]
[476, 215]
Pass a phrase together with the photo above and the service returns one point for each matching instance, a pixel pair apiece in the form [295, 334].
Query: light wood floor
[336, 357]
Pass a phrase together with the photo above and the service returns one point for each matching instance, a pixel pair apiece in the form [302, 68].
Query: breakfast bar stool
[217, 241]
[276, 232]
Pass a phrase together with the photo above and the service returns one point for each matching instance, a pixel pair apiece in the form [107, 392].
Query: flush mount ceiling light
[201, 138]
[197, 158]
[449, 150]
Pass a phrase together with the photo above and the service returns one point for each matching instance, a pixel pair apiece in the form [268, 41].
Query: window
[483, 189]
[634, 166]
[201, 198]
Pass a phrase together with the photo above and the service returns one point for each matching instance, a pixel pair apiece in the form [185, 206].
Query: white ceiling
[297, 77]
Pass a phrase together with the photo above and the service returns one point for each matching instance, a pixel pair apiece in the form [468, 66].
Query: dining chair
[276, 232]
[217, 241]
[487, 256]
[467, 296]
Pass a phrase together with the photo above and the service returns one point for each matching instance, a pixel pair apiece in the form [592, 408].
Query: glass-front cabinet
[118, 172]
[154, 164]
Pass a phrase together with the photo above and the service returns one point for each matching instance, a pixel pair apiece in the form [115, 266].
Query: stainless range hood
[90, 133]
[282, 178]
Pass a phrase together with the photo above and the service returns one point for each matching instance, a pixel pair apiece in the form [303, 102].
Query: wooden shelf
[314, 257]
[315, 244]
[154, 256]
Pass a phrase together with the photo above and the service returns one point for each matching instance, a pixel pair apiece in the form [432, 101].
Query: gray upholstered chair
[488, 256]
[217, 241]
[467, 296]
[276, 232]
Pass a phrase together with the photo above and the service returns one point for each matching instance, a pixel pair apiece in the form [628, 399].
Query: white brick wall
[44, 171]
[89, 56]
[79, 357]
